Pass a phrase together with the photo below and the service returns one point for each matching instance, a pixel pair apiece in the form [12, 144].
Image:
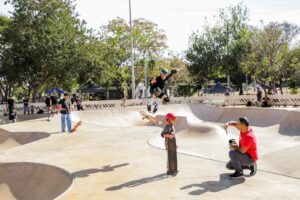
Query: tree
[7, 78]
[236, 32]
[149, 42]
[45, 38]
[272, 60]
[220, 49]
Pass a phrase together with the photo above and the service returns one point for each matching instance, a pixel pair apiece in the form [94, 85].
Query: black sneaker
[174, 173]
[149, 108]
[155, 108]
[253, 169]
[236, 175]
[168, 173]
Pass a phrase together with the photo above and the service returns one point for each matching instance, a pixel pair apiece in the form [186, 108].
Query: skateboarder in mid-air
[170, 143]
[156, 89]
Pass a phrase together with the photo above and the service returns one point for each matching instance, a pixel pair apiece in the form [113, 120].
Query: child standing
[170, 143]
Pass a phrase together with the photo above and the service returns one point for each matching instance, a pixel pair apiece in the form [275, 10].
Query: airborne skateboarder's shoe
[155, 108]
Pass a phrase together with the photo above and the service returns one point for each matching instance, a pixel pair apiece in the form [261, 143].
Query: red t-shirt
[248, 141]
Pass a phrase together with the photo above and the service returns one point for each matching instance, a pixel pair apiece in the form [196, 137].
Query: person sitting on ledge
[266, 102]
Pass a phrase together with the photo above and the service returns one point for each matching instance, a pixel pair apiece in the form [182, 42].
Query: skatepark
[116, 154]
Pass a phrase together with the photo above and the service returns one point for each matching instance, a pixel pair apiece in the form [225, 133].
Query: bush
[293, 87]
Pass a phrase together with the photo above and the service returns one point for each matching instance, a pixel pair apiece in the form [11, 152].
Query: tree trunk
[280, 86]
[240, 87]
[35, 90]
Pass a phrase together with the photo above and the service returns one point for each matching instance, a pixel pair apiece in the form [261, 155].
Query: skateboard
[76, 126]
[172, 155]
[152, 119]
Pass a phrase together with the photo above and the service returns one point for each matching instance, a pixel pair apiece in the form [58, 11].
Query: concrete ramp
[273, 128]
[290, 124]
[13, 139]
[285, 161]
[32, 181]
[111, 118]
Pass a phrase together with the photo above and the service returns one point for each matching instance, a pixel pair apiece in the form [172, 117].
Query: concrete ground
[117, 155]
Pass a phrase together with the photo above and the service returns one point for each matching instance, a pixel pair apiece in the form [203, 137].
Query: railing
[277, 100]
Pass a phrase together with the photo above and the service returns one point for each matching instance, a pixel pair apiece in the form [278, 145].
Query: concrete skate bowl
[32, 181]
[285, 119]
[111, 117]
[14, 139]
[195, 137]
[277, 132]
[116, 117]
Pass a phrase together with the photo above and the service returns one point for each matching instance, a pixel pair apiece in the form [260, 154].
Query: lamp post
[132, 60]
[145, 77]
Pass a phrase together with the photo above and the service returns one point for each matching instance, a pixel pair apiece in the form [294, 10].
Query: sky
[179, 18]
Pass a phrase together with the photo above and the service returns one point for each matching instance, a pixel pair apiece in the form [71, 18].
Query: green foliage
[293, 87]
[149, 42]
[186, 90]
[220, 48]
[45, 38]
[271, 59]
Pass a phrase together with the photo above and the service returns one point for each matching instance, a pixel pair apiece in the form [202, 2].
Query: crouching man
[243, 155]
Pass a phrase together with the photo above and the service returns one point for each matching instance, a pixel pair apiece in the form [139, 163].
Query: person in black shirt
[156, 89]
[53, 106]
[48, 103]
[65, 111]
[11, 104]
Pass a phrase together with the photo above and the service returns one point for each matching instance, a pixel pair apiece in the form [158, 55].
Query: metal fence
[277, 100]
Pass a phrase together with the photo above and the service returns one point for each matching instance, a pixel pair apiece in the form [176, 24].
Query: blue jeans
[64, 118]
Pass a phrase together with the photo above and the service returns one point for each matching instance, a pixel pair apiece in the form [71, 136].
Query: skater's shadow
[138, 182]
[87, 172]
[213, 186]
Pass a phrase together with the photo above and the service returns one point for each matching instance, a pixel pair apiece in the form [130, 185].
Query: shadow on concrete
[87, 172]
[138, 182]
[32, 181]
[213, 186]
[10, 140]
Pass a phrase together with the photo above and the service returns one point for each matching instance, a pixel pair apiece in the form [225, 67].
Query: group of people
[265, 101]
[243, 155]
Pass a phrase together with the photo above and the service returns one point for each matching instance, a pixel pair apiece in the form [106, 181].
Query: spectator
[11, 104]
[259, 94]
[48, 103]
[78, 104]
[227, 92]
[26, 105]
[65, 112]
[32, 109]
[266, 102]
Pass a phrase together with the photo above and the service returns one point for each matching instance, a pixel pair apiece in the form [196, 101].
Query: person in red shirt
[242, 155]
